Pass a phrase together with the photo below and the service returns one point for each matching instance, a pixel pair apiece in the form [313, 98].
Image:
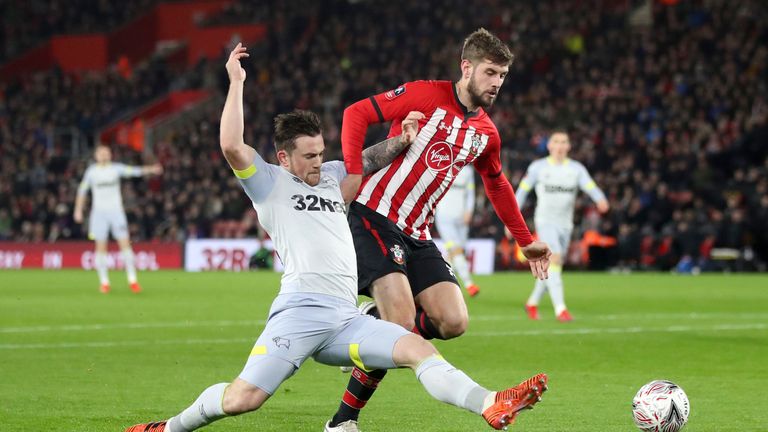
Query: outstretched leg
[448, 384]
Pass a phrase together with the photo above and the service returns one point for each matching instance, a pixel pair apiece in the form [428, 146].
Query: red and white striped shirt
[408, 190]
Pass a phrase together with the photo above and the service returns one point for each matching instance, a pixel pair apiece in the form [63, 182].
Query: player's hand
[349, 187]
[78, 216]
[410, 126]
[235, 71]
[602, 206]
[157, 169]
[537, 254]
[467, 218]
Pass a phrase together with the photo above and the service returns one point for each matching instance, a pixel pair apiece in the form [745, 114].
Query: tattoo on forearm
[382, 154]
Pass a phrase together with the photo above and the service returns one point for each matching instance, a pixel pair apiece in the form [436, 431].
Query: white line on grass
[620, 330]
[91, 327]
[543, 332]
[245, 323]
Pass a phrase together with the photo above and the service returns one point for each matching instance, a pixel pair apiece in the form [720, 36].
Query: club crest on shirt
[477, 141]
[439, 156]
[395, 93]
[397, 254]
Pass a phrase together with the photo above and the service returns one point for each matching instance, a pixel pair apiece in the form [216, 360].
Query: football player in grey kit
[107, 213]
[452, 219]
[556, 180]
[315, 314]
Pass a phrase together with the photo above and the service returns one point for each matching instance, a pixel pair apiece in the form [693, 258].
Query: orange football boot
[532, 311]
[565, 316]
[511, 401]
[148, 427]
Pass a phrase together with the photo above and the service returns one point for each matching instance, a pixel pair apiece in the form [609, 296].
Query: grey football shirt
[556, 186]
[459, 199]
[308, 225]
[104, 181]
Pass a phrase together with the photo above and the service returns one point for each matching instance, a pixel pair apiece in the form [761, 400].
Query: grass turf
[72, 359]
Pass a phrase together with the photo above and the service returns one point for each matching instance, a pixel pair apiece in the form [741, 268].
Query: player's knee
[411, 350]
[404, 320]
[453, 326]
[239, 399]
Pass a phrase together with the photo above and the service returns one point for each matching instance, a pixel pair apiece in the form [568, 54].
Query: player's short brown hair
[289, 126]
[481, 45]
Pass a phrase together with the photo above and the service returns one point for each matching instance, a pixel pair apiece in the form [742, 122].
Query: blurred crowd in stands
[29, 23]
[668, 111]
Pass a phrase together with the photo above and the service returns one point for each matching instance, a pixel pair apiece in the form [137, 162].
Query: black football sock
[361, 387]
[425, 327]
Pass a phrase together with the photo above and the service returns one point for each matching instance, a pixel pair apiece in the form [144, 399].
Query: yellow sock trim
[433, 356]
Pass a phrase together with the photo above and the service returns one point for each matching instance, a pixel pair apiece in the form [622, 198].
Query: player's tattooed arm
[382, 154]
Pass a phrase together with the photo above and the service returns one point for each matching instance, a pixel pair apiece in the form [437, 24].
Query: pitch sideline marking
[238, 323]
[552, 332]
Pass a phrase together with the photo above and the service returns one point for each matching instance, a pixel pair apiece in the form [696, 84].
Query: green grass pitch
[72, 359]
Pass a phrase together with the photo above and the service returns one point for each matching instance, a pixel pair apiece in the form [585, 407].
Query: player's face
[485, 82]
[559, 145]
[103, 154]
[305, 160]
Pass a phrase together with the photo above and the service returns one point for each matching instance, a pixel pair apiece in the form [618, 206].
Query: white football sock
[461, 266]
[100, 262]
[130, 266]
[539, 288]
[450, 385]
[555, 286]
[205, 410]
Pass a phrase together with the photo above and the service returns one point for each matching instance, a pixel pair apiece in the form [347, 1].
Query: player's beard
[476, 97]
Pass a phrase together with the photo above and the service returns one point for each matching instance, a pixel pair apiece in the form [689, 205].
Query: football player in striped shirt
[556, 180]
[300, 205]
[398, 263]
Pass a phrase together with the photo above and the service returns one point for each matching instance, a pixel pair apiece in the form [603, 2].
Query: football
[660, 406]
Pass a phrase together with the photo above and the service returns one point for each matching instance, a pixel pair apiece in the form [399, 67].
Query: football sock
[130, 266]
[538, 290]
[205, 410]
[461, 266]
[100, 262]
[360, 388]
[425, 327]
[555, 286]
[450, 385]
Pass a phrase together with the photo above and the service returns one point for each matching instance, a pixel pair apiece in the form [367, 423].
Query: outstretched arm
[590, 188]
[154, 169]
[502, 196]
[382, 154]
[239, 155]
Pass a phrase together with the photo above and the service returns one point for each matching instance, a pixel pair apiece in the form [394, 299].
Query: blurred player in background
[453, 217]
[556, 180]
[398, 264]
[107, 213]
[301, 207]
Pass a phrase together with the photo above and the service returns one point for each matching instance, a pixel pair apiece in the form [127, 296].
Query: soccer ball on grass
[660, 406]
